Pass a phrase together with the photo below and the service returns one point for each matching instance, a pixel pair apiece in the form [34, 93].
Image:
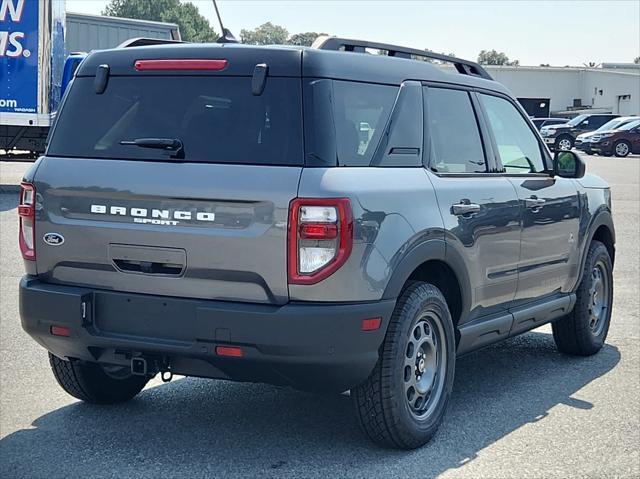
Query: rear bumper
[314, 346]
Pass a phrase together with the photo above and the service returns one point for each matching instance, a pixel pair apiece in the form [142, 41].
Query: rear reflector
[318, 231]
[229, 351]
[60, 331]
[371, 324]
[184, 64]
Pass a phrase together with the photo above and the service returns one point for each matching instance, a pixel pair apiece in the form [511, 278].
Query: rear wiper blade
[167, 144]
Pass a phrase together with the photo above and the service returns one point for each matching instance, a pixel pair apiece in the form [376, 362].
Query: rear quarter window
[344, 121]
[217, 119]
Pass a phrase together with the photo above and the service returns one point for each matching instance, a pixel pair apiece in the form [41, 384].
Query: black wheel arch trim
[430, 250]
[601, 218]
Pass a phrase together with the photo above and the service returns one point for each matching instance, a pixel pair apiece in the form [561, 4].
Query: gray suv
[316, 217]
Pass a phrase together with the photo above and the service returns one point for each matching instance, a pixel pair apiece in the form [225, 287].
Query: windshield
[577, 120]
[612, 124]
[215, 120]
[630, 126]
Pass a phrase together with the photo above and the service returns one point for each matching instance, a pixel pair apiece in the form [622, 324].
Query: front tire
[622, 148]
[402, 403]
[564, 143]
[583, 331]
[90, 383]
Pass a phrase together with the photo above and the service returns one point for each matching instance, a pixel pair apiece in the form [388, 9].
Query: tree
[270, 34]
[265, 34]
[492, 57]
[303, 39]
[193, 26]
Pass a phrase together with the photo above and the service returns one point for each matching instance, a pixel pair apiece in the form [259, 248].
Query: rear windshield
[217, 120]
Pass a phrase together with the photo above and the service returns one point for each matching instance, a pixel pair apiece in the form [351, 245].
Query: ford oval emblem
[53, 239]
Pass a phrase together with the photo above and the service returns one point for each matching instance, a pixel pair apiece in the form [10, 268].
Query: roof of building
[103, 18]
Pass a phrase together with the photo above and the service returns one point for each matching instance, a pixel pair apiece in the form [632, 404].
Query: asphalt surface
[519, 409]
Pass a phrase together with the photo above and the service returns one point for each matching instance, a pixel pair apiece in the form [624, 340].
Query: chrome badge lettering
[154, 216]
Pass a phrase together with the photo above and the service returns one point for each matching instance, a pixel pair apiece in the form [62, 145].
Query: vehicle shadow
[200, 428]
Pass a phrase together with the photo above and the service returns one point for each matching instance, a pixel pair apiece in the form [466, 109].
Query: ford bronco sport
[221, 211]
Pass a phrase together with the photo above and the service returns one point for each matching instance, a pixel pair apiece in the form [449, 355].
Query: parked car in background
[540, 122]
[620, 142]
[562, 137]
[583, 141]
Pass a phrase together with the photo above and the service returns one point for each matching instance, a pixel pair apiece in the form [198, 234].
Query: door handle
[534, 203]
[465, 207]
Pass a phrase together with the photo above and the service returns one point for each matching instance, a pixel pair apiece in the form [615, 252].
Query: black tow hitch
[141, 366]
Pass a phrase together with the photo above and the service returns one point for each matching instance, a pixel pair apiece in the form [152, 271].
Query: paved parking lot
[519, 409]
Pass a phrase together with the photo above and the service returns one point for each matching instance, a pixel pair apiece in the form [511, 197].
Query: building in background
[96, 32]
[569, 91]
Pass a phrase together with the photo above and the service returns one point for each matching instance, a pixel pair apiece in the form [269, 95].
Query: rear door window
[218, 120]
[456, 146]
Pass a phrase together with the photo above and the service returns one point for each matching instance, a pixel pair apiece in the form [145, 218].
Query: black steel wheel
[584, 331]
[402, 402]
[425, 365]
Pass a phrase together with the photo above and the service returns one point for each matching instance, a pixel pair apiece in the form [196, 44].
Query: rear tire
[89, 382]
[584, 330]
[622, 148]
[402, 402]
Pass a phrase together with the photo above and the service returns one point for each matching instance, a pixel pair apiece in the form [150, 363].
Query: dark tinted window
[598, 121]
[218, 119]
[345, 120]
[554, 122]
[455, 140]
[539, 123]
[518, 146]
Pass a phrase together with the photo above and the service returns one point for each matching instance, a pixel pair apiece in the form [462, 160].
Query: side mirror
[568, 164]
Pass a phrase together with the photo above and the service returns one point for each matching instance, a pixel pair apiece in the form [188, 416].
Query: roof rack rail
[464, 67]
[141, 42]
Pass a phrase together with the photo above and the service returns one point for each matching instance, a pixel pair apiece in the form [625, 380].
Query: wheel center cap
[421, 365]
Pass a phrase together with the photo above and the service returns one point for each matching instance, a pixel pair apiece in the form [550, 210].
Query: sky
[533, 32]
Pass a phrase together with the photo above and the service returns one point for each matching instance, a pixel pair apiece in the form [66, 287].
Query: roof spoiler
[141, 42]
[464, 67]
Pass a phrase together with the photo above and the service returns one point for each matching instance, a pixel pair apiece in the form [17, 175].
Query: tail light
[27, 214]
[320, 238]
